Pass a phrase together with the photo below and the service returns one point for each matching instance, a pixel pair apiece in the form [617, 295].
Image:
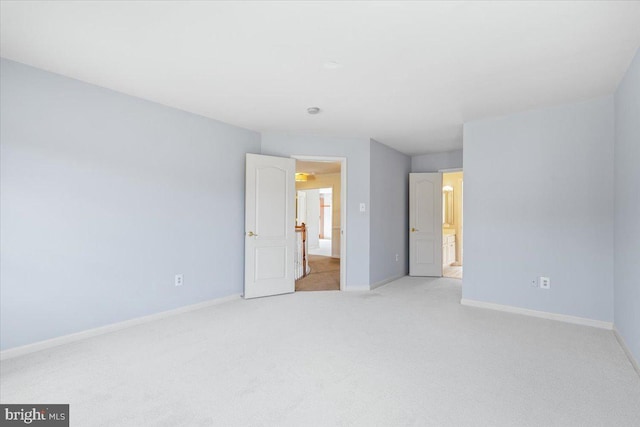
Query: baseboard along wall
[89, 333]
[384, 282]
[541, 314]
[626, 350]
[559, 317]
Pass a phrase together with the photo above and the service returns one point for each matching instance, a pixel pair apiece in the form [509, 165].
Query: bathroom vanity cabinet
[448, 249]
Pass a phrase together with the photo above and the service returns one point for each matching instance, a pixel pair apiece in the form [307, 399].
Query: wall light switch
[363, 208]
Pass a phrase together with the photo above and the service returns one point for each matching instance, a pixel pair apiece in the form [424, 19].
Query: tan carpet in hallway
[324, 276]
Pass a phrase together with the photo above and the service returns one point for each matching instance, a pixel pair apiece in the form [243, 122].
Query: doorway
[320, 214]
[314, 208]
[452, 224]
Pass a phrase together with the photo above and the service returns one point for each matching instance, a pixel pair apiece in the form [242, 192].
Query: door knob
[413, 230]
[252, 234]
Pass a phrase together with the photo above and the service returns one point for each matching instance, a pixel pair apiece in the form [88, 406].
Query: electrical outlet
[179, 279]
[544, 282]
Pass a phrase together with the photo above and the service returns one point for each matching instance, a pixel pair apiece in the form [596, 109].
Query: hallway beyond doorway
[324, 275]
[323, 249]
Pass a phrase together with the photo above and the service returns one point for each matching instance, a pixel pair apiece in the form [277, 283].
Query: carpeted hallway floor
[405, 354]
[324, 276]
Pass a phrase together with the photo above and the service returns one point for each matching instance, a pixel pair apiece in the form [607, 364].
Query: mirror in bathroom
[447, 206]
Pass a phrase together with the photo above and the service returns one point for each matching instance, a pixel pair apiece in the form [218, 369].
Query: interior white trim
[541, 314]
[343, 209]
[626, 350]
[90, 333]
[384, 282]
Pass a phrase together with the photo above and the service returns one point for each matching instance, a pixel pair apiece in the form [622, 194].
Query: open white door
[269, 226]
[425, 224]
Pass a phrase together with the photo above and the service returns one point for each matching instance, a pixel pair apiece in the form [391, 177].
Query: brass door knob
[413, 230]
[252, 234]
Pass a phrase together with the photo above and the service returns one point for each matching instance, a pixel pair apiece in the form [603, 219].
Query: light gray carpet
[406, 354]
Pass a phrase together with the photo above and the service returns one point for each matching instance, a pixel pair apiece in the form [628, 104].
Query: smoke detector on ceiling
[313, 110]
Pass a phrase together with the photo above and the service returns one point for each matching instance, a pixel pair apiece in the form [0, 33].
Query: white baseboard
[384, 282]
[623, 344]
[89, 333]
[542, 314]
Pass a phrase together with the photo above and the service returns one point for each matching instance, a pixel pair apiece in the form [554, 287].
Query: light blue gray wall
[105, 197]
[357, 152]
[539, 202]
[627, 209]
[437, 161]
[389, 220]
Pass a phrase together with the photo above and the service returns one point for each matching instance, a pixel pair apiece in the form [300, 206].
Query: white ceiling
[317, 168]
[412, 72]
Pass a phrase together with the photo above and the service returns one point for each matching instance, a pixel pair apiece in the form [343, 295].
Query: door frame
[343, 208]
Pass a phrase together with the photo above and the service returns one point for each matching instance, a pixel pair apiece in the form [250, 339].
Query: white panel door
[269, 226]
[425, 224]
